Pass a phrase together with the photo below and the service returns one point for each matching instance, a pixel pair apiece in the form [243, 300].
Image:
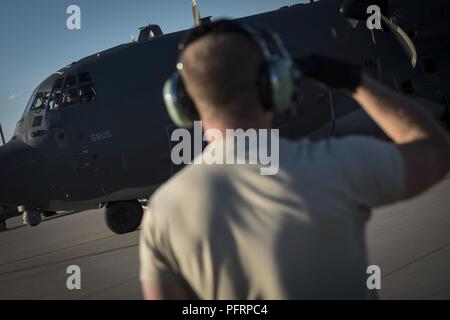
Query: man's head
[221, 72]
[232, 75]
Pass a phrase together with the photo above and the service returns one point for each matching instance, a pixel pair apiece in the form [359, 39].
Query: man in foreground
[228, 232]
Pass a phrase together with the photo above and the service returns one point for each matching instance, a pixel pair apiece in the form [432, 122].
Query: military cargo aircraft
[96, 133]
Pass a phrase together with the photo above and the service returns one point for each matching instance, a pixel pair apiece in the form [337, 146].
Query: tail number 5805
[100, 136]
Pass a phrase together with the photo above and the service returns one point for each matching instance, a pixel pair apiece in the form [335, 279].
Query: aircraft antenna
[2, 135]
[196, 13]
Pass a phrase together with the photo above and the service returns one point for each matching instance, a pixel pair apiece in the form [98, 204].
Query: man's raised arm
[424, 145]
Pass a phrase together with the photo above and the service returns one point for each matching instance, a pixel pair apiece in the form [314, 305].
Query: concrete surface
[410, 241]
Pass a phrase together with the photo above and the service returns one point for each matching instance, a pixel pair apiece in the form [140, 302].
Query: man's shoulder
[201, 179]
[330, 154]
[308, 149]
[191, 180]
[328, 145]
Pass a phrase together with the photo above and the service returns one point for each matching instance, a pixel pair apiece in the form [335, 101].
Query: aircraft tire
[32, 218]
[3, 225]
[123, 217]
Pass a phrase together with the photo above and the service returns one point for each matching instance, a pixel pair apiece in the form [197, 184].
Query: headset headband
[277, 80]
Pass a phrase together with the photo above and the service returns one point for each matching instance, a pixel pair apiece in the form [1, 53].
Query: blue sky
[36, 41]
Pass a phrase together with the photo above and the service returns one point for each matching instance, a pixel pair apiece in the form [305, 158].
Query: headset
[278, 83]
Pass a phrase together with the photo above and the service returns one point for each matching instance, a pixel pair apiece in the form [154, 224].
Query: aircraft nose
[22, 177]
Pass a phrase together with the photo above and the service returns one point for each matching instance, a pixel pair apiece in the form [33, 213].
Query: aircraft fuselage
[102, 133]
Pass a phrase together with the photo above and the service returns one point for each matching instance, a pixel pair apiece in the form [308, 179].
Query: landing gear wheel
[2, 225]
[32, 217]
[123, 217]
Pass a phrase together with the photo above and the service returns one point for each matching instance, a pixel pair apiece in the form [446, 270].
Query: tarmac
[410, 241]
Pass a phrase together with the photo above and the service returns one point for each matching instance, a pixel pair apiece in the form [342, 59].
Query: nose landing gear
[31, 217]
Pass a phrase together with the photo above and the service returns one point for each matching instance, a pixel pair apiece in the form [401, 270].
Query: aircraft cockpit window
[84, 77]
[71, 81]
[40, 102]
[71, 94]
[69, 97]
[58, 84]
[87, 93]
[55, 99]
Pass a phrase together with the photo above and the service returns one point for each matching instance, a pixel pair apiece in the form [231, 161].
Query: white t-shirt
[227, 232]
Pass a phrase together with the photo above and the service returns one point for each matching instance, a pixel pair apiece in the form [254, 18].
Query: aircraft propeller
[356, 9]
[404, 40]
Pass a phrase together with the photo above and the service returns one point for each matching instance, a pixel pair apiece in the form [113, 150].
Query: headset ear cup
[179, 105]
[265, 90]
[282, 85]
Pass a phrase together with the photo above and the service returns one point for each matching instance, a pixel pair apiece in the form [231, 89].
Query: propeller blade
[403, 38]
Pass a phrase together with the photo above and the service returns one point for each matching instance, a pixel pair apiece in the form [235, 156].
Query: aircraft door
[70, 117]
[41, 120]
[54, 116]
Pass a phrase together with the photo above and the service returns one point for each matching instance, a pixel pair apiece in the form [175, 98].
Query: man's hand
[333, 73]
